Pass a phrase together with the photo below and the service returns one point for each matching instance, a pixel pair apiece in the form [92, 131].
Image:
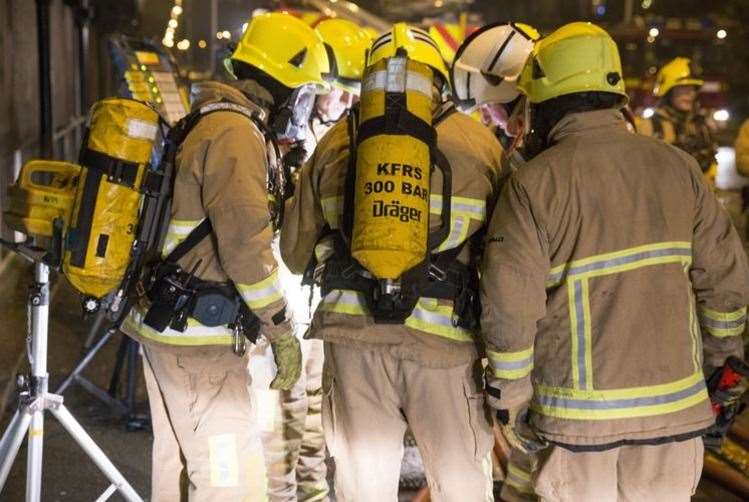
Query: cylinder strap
[121, 172]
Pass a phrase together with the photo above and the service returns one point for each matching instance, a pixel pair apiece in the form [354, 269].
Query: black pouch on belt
[215, 306]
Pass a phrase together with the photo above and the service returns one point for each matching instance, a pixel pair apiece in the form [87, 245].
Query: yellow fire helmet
[346, 44]
[417, 43]
[578, 57]
[286, 48]
[677, 72]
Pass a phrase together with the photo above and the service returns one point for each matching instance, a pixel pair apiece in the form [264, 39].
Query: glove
[288, 356]
[519, 433]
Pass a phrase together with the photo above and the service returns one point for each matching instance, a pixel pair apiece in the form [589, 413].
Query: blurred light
[648, 112]
[220, 35]
[202, 44]
[721, 115]
[227, 34]
[600, 10]
[646, 4]
[353, 7]
[653, 70]
[438, 3]
[183, 44]
[721, 34]
[244, 27]
[168, 42]
[654, 32]
[173, 23]
[176, 10]
[651, 40]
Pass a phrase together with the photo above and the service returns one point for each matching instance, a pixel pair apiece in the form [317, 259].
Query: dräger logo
[395, 210]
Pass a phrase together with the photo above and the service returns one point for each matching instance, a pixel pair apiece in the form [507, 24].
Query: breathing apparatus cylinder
[393, 167]
[114, 157]
[44, 193]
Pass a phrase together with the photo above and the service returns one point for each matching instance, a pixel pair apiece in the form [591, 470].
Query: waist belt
[392, 302]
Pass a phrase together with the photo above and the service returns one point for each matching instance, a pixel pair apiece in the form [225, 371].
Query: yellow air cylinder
[45, 192]
[114, 160]
[393, 168]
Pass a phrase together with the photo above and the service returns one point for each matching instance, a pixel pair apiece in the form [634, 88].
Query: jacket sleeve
[235, 197]
[513, 296]
[303, 220]
[742, 149]
[719, 275]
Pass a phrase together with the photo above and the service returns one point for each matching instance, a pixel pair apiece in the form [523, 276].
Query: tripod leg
[34, 457]
[84, 362]
[95, 327]
[11, 442]
[95, 453]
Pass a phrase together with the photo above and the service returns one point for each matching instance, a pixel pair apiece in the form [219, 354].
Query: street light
[721, 34]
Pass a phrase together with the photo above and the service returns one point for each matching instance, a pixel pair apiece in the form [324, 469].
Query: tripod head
[29, 249]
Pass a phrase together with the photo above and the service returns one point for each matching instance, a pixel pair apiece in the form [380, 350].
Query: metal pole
[82, 17]
[45, 78]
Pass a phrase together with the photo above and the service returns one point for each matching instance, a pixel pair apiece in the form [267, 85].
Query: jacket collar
[586, 122]
[246, 93]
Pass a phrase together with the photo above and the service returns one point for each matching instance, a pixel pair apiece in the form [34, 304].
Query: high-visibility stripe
[263, 293]
[458, 233]
[620, 403]
[577, 274]
[694, 335]
[428, 316]
[194, 334]
[622, 261]
[723, 324]
[176, 233]
[511, 365]
[332, 209]
[519, 479]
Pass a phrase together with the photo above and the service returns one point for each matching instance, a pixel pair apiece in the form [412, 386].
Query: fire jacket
[688, 131]
[611, 276]
[742, 149]
[429, 335]
[221, 174]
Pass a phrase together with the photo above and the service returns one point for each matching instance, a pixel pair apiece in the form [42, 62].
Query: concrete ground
[68, 474]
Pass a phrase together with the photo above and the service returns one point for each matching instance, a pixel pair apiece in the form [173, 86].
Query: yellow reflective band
[194, 335]
[694, 334]
[343, 301]
[263, 293]
[176, 233]
[511, 365]
[460, 206]
[723, 324]
[620, 403]
[332, 209]
[519, 479]
[621, 261]
[459, 226]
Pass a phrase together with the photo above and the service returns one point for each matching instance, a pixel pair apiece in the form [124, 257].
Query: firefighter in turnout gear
[678, 119]
[418, 367]
[292, 430]
[484, 74]
[611, 280]
[220, 239]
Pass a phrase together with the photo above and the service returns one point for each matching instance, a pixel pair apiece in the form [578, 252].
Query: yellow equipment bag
[114, 158]
[395, 143]
[45, 192]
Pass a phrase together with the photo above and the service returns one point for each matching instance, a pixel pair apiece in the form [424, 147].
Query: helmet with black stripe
[488, 63]
[417, 43]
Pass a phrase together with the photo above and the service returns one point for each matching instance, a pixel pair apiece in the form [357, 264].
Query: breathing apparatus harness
[440, 275]
[176, 294]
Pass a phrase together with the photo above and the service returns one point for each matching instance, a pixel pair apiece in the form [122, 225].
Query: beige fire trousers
[664, 473]
[291, 430]
[370, 397]
[206, 443]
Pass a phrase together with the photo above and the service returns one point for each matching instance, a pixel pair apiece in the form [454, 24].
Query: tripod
[35, 399]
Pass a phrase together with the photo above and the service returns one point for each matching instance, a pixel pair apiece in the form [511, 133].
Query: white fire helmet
[488, 64]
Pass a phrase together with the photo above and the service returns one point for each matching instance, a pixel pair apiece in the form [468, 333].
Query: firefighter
[678, 119]
[423, 373]
[612, 279]
[197, 378]
[294, 443]
[484, 75]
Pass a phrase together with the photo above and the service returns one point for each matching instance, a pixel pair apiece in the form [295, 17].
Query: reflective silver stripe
[580, 333]
[511, 365]
[616, 262]
[262, 293]
[612, 404]
[177, 231]
[458, 229]
[475, 208]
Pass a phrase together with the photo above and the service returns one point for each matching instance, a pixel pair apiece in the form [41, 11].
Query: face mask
[290, 121]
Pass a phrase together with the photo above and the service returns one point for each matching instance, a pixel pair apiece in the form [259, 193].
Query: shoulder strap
[444, 111]
[194, 238]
